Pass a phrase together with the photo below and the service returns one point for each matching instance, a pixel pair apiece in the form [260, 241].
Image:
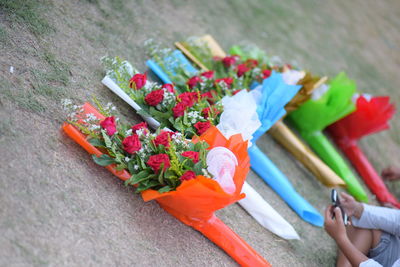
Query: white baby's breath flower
[128, 132]
[127, 159]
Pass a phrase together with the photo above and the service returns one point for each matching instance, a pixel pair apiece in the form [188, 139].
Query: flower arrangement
[195, 200]
[191, 113]
[160, 160]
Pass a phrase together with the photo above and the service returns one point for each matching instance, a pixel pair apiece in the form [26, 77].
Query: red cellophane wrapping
[195, 201]
[371, 116]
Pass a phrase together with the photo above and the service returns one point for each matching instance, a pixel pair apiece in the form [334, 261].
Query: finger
[328, 213]
[346, 196]
[338, 215]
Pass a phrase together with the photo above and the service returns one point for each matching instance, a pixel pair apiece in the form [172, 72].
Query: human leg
[362, 239]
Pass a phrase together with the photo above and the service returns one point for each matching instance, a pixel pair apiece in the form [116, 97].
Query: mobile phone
[336, 203]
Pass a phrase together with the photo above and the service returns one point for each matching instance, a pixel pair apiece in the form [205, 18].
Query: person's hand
[391, 173]
[335, 227]
[351, 206]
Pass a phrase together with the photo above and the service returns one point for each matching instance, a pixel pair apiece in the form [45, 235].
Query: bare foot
[391, 173]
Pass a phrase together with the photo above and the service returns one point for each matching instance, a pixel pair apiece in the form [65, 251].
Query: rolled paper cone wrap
[324, 148]
[215, 230]
[206, 222]
[215, 48]
[187, 53]
[316, 114]
[265, 215]
[371, 178]
[118, 91]
[158, 71]
[302, 153]
[372, 115]
[264, 167]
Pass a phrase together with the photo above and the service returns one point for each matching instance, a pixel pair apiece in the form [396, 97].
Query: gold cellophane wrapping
[281, 133]
[309, 83]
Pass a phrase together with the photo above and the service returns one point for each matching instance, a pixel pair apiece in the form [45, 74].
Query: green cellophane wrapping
[314, 115]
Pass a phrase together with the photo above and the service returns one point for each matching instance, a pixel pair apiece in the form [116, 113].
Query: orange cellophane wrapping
[194, 202]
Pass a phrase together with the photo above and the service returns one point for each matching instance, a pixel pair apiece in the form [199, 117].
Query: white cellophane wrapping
[266, 215]
[239, 115]
[221, 164]
[292, 77]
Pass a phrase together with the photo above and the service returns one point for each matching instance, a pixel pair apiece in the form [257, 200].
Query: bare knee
[376, 237]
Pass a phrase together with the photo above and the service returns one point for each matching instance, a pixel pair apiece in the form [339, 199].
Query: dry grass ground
[58, 208]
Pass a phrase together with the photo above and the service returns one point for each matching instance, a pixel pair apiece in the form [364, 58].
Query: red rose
[109, 125]
[188, 175]
[192, 82]
[216, 58]
[266, 74]
[137, 81]
[142, 125]
[228, 81]
[188, 98]
[289, 66]
[207, 111]
[179, 110]
[155, 97]
[155, 162]
[208, 74]
[201, 127]
[251, 63]
[236, 91]
[229, 61]
[169, 87]
[241, 70]
[163, 138]
[131, 144]
[191, 154]
[209, 96]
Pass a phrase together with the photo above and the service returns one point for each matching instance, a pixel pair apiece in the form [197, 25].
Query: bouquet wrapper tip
[324, 148]
[371, 178]
[281, 133]
[372, 115]
[264, 167]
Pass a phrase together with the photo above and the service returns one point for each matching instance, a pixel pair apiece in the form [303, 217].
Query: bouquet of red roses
[189, 179]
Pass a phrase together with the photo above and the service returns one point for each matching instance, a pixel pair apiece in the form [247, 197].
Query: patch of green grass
[28, 12]
[25, 100]
[3, 36]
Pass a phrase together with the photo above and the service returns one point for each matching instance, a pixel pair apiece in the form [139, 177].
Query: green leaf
[198, 168]
[146, 185]
[121, 167]
[140, 177]
[198, 146]
[107, 139]
[103, 160]
[131, 168]
[164, 189]
[97, 142]
[161, 175]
